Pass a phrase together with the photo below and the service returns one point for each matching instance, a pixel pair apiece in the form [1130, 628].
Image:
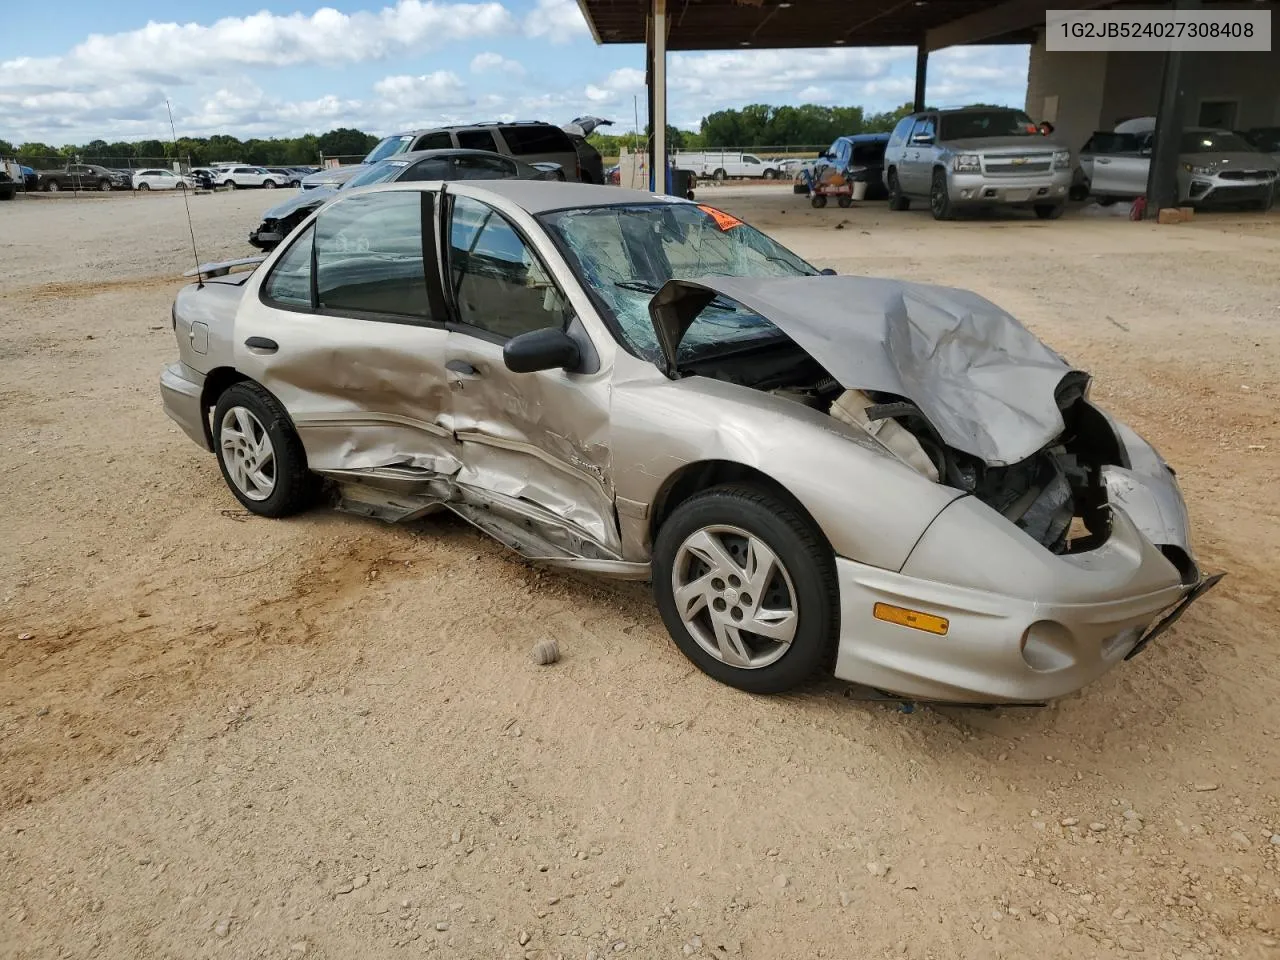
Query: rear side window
[369, 256]
[869, 154]
[433, 168]
[483, 168]
[536, 138]
[440, 140]
[290, 281]
[477, 140]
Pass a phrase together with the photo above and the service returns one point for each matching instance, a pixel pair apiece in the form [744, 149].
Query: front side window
[900, 131]
[389, 148]
[624, 254]
[499, 284]
[378, 173]
[290, 281]
[923, 130]
[369, 256]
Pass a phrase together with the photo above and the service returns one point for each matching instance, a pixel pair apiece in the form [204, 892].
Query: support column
[1162, 174]
[658, 115]
[922, 72]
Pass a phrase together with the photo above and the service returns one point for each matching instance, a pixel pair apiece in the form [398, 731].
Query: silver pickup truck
[975, 157]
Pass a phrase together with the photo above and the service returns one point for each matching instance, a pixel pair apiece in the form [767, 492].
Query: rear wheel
[818, 201]
[104, 186]
[229, 184]
[51, 186]
[747, 589]
[896, 199]
[261, 457]
[1049, 211]
[721, 175]
[269, 184]
[845, 201]
[940, 196]
[144, 186]
[771, 174]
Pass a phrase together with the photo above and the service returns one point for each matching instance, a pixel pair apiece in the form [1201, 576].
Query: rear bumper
[180, 395]
[982, 189]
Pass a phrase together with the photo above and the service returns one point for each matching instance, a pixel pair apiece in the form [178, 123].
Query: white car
[244, 176]
[160, 179]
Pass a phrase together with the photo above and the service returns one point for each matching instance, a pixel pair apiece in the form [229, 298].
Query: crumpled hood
[304, 200]
[985, 382]
[333, 175]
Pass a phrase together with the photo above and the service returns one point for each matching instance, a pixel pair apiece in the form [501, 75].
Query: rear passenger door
[349, 334]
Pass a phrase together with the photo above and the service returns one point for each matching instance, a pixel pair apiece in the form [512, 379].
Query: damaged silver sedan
[894, 482]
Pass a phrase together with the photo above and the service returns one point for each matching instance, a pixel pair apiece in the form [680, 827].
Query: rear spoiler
[221, 269]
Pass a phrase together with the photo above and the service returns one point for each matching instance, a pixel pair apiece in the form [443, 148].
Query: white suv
[240, 176]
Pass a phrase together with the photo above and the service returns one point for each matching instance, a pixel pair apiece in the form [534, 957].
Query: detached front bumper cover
[1170, 618]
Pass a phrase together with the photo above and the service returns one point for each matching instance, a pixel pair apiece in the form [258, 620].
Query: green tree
[345, 142]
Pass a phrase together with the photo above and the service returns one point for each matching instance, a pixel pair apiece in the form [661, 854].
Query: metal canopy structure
[777, 24]
[928, 25]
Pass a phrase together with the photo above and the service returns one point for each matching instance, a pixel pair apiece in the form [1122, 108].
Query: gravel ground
[224, 736]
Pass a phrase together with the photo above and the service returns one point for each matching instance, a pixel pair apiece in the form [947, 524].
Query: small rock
[545, 653]
[1097, 826]
[24, 636]
[1204, 787]
[299, 947]
[222, 928]
[1275, 839]
[1130, 946]
[442, 926]
[1069, 821]
[1052, 918]
[345, 887]
[620, 946]
[1132, 815]
[845, 898]
[456, 836]
[687, 950]
[360, 881]
[523, 938]
[1240, 840]
[877, 869]
[781, 881]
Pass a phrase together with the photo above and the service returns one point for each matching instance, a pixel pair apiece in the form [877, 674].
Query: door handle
[1102, 160]
[462, 367]
[262, 345]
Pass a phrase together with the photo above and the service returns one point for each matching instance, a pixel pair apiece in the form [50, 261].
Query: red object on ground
[1138, 209]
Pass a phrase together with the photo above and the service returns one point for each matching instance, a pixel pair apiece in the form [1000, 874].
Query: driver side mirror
[922, 139]
[545, 349]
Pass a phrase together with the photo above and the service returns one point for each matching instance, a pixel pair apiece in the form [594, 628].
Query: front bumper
[180, 395]
[1210, 190]
[267, 236]
[984, 189]
[1025, 640]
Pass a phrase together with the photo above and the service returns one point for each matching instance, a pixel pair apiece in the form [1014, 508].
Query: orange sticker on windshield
[723, 220]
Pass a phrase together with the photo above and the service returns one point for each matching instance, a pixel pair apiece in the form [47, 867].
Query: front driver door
[348, 335]
[539, 439]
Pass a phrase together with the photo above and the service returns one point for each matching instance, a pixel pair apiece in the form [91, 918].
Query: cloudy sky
[104, 69]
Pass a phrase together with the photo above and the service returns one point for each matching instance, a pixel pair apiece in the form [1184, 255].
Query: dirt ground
[229, 737]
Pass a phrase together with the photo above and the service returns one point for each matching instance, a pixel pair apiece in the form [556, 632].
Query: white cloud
[496, 63]
[557, 20]
[439, 89]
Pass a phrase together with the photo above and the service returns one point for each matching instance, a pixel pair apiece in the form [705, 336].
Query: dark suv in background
[531, 142]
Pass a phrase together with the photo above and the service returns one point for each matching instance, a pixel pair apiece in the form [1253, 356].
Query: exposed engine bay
[1056, 495]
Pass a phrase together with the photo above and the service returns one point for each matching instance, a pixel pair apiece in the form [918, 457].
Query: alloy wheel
[247, 452]
[735, 596]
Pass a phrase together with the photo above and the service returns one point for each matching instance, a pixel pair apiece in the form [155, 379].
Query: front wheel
[771, 174]
[845, 201]
[747, 589]
[897, 201]
[720, 176]
[269, 184]
[104, 186]
[818, 201]
[144, 186]
[51, 186]
[1049, 211]
[261, 457]
[940, 196]
[229, 184]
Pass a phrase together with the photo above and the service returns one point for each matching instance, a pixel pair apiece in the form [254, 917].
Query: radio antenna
[186, 198]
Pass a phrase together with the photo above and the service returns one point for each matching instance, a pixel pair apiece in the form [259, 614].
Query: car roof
[412, 156]
[470, 126]
[541, 196]
[864, 137]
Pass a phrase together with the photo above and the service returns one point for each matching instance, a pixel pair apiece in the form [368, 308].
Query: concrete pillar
[658, 96]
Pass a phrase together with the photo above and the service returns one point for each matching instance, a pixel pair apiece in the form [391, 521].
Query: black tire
[295, 184]
[720, 175]
[6, 193]
[1050, 211]
[229, 184]
[51, 186]
[295, 487]
[802, 552]
[269, 184]
[144, 186]
[940, 196]
[771, 174]
[104, 186]
[1105, 201]
[818, 201]
[897, 201]
[845, 201]
[1268, 201]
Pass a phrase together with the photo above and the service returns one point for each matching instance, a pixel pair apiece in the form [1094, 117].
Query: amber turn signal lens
[911, 618]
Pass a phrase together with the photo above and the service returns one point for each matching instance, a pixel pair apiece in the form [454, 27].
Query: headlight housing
[1061, 159]
[967, 163]
[1192, 168]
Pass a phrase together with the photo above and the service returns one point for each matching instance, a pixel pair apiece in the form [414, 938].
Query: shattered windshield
[389, 148]
[624, 254]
